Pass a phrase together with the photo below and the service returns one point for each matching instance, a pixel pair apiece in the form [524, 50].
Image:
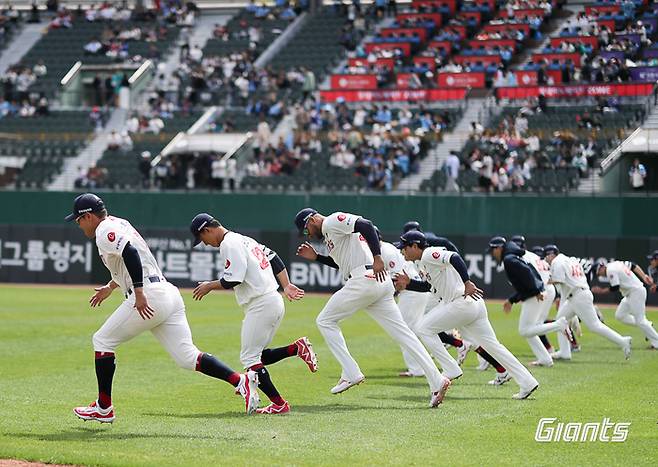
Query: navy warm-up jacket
[523, 276]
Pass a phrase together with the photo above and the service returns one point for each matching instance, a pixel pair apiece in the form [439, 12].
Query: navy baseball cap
[411, 225]
[519, 240]
[410, 238]
[198, 223]
[548, 249]
[87, 202]
[538, 250]
[653, 255]
[495, 242]
[302, 218]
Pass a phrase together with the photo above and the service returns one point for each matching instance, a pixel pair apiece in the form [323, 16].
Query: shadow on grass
[103, 434]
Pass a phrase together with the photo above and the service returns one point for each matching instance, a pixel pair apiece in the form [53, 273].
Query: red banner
[523, 13]
[492, 43]
[462, 80]
[409, 32]
[592, 41]
[380, 62]
[354, 81]
[407, 81]
[436, 17]
[552, 92]
[561, 58]
[394, 95]
[613, 8]
[404, 46]
[525, 27]
[529, 77]
[474, 59]
[608, 23]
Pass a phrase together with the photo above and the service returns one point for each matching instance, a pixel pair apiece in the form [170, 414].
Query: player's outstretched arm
[306, 250]
[133, 264]
[470, 289]
[102, 293]
[639, 272]
[367, 229]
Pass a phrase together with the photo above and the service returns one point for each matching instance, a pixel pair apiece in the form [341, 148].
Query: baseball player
[412, 307]
[652, 269]
[531, 291]
[568, 276]
[151, 303]
[623, 277]
[251, 275]
[354, 249]
[432, 238]
[461, 304]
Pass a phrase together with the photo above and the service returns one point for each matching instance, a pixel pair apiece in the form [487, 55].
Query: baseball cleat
[248, 389]
[558, 356]
[410, 374]
[538, 363]
[575, 348]
[525, 393]
[483, 364]
[437, 396]
[462, 352]
[274, 409]
[574, 324]
[500, 379]
[627, 348]
[306, 353]
[343, 385]
[94, 412]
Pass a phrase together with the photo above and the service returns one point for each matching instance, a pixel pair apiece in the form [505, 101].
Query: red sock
[458, 342]
[278, 400]
[104, 401]
[234, 379]
[292, 349]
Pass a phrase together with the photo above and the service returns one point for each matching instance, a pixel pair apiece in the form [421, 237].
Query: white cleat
[627, 348]
[558, 356]
[544, 364]
[343, 385]
[483, 365]
[94, 412]
[248, 389]
[525, 393]
[500, 379]
[437, 396]
[410, 374]
[462, 352]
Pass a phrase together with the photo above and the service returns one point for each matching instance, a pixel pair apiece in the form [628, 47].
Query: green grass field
[168, 416]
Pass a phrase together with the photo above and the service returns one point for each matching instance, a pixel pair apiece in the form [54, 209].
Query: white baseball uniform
[464, 313]
[169, 323]
[245, 261]
[411, 304]
[362, 291]
[568, 276]
[534, 312]
[632, 308]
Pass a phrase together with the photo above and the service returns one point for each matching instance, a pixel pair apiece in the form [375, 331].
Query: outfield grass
[168, 416]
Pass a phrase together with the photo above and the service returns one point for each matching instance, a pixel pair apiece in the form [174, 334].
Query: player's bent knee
[101, 343]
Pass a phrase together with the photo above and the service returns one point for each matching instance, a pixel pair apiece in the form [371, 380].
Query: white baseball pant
[531, 324]
[436, 347]
[262, 318]
[471, 318]
[361, 292]
[169, 324]
[632, 311]
[412, 307]
[581, 304]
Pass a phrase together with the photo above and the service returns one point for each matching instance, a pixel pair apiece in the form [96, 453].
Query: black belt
[367, 266]
[151, 279]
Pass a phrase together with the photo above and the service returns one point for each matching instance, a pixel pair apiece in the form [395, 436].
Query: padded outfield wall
[37, 246]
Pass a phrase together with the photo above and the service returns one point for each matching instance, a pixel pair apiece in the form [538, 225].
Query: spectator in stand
[637, 175]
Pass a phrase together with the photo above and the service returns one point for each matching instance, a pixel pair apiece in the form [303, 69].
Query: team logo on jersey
[341, 217]
[227, 264]
[391, 264]
[111, 236]
[436, 255]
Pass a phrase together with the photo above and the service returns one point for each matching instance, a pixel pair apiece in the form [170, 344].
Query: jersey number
[576, 271]
[260, 256]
